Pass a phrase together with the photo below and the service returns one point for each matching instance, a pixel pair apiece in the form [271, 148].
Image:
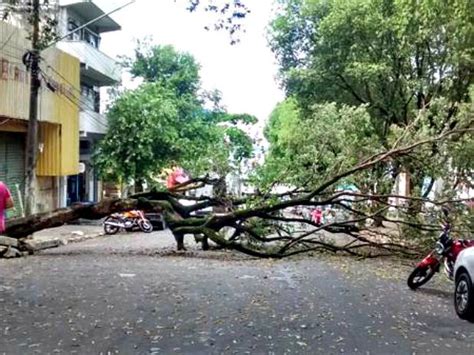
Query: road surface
[131, 294]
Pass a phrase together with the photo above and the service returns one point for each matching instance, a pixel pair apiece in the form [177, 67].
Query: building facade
[58, 116]
[97, 70]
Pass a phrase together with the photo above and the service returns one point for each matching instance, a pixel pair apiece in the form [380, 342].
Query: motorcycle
[129, 221]
[445, 252]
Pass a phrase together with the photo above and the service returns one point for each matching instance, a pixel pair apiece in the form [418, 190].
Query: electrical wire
[101, 58]
[79, 103]
[72, 86]
[12, 46]
[12, 59]
[7, 40]
[62, 77]
[77, 100]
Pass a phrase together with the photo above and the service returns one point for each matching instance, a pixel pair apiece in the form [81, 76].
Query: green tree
[23, 11]
[401, 59]
[164, 65]
[166, 121]
[394, 56]
[307, 149]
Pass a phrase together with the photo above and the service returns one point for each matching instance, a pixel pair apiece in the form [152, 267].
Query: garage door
[12, 165]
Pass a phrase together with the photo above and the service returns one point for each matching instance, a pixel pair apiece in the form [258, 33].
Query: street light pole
[32, 135]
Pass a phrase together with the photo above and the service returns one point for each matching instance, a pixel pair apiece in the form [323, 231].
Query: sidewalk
[159, 239]
[68, 233]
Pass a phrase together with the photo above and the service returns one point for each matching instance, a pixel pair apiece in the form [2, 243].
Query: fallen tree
[262, 224]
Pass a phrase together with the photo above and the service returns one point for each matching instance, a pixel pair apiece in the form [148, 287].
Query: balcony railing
[92, 122]
[97, 68]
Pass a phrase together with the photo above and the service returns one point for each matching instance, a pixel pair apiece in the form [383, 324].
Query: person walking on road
[6, 202]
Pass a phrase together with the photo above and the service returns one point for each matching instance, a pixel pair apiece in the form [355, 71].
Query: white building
[97, 70]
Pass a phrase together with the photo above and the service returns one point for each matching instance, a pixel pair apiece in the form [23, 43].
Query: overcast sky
[244, 73]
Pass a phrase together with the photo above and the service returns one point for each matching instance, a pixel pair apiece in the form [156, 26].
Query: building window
[90, 98]
[97, 101]
[91, 38]
[72, 26]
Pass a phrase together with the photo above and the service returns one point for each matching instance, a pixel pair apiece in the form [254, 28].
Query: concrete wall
[48, 194]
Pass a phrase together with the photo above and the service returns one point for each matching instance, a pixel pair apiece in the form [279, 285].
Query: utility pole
[32, 135]
[32, 62]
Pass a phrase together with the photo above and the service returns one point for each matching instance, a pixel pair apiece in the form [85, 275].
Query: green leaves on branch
[167, 121]
[22, 12]
[163, 64]
[142, 127]
[307, 149]
[407, 64]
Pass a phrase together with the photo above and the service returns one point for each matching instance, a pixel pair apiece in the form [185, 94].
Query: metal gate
[12, 166]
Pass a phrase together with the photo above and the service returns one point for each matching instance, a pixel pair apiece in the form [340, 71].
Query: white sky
[244, 73]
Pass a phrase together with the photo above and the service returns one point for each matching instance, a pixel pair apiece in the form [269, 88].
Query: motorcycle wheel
[108, 229]
[464, 297]
[145, 225]
[419, 276]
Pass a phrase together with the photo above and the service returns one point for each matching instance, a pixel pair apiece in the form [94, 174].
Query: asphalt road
[131, 294]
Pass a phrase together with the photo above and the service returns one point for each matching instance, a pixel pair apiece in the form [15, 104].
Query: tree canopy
[169, 119]
[407, 64]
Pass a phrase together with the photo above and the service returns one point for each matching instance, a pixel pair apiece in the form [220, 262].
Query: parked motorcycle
[445, 252]
[129, 221]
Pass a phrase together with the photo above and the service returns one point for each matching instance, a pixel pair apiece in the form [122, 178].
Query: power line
[80, 103]
[12, 46]
[78, 98]
[7, 40]
[73, 87]
[11, 56]
[89, 23]
[62, 77]
[65, 79]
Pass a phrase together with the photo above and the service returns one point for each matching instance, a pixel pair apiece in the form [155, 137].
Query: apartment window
[72, 26]
[91, 38]
[86, 91]
[90, 98]
[96, 101]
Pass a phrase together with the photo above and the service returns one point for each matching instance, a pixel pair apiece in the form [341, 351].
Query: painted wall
[58, 104]
[61, 108]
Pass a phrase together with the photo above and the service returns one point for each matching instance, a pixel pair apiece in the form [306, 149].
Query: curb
[79, 238]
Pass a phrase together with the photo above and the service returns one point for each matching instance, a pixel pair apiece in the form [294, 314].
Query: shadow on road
[164, 252]
[436, 292]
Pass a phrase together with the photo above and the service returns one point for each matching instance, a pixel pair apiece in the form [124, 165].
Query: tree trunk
[219, 192]
[429, 188]
[414, 190]
[23, 227]
[138, 186]
[179, 237]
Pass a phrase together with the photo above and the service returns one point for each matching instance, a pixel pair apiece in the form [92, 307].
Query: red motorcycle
[446, 251]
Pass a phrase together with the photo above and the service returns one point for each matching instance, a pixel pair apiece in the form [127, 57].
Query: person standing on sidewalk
[6, 202]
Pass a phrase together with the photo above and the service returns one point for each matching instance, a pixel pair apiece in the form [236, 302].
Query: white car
[464, 290]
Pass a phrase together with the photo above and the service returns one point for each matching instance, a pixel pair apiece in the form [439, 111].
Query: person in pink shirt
[6, 202]
[316, 216]
[176, 177]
